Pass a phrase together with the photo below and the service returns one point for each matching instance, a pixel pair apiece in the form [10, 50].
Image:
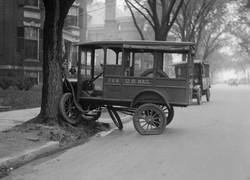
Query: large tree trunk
[55, 13]
[159, 36]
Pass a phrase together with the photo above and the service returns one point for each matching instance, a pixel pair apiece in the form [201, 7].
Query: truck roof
[139, 45]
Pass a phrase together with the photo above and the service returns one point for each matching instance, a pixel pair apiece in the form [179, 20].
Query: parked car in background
[200, 80]
[233, 82]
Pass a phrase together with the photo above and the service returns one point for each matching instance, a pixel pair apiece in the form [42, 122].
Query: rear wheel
[115, 117]
[169, 113]
[198, 96]
[208, 95]
[149, 119]
[68, 109]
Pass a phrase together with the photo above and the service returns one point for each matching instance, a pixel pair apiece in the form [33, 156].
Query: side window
[112, 57]
[113, 65]
[172, 67]
[86, 64]
[98, 69]
[144, 62]
[99, 61]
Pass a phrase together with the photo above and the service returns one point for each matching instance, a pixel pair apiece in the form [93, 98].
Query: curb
[125, 120]
[29, 155]
[50, 147]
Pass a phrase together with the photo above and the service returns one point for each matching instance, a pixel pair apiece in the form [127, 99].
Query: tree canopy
[159, 14]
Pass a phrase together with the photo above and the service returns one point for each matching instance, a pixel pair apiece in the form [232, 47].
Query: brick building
[109, 20]
[21, 25]
[21, 38]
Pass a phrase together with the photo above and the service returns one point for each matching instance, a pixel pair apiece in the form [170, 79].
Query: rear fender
[149, 96]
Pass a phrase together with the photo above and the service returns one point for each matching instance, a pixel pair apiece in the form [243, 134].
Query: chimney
[110, 10]
[110, 20]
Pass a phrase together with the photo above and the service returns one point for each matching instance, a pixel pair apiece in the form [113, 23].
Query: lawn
[20, 99]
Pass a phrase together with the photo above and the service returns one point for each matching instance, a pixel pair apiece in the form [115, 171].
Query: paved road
[207, 142]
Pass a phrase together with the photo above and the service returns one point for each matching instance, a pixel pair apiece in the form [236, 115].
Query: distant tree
[219, 61]
[193, 18]
[55, 13]
[248, 4]
[159, 14]
[211, 36]
[240, 27]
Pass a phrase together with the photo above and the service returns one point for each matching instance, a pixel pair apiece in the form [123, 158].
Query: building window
[31, 44]
[33, 76]
[20, 39]
[33, 3]
[72, 17]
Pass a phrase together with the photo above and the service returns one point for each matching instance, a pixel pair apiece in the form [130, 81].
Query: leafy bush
[6, 82]
[18, 99]
[24, 84]
[20, 83]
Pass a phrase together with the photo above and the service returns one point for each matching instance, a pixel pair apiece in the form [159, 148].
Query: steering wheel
[89, 83]
[160, 73]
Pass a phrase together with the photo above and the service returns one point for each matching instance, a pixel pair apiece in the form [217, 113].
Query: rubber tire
[62, 110]
[199, 97]
[115, 118]
[138, 126]
[208, 95]
[170, 116]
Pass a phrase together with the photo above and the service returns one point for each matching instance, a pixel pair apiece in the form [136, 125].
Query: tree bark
[158, 57]
[55, 13]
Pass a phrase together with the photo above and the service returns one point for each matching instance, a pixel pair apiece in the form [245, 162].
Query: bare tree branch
[134, 20]
[142, 13]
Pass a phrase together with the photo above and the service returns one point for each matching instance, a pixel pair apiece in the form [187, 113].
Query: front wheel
[149, 119]
[68, 109]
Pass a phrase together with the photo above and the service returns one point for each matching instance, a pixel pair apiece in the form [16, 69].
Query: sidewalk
[21, 146]
[10, 119]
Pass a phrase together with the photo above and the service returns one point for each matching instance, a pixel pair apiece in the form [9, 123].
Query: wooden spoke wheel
[68, 109]
[169, 113]
[115, 117]
[208, 95]
[149, 119]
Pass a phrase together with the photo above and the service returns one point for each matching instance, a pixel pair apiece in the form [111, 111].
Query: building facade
[21, 32]
[109, 20]
[21, 37]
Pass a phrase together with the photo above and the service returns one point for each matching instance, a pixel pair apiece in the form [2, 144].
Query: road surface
[206, 142]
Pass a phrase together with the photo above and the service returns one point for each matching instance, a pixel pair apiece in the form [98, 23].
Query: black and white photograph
[125, 89]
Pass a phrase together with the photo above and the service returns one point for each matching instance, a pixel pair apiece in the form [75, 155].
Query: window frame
[33, 6]
[37, 39]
